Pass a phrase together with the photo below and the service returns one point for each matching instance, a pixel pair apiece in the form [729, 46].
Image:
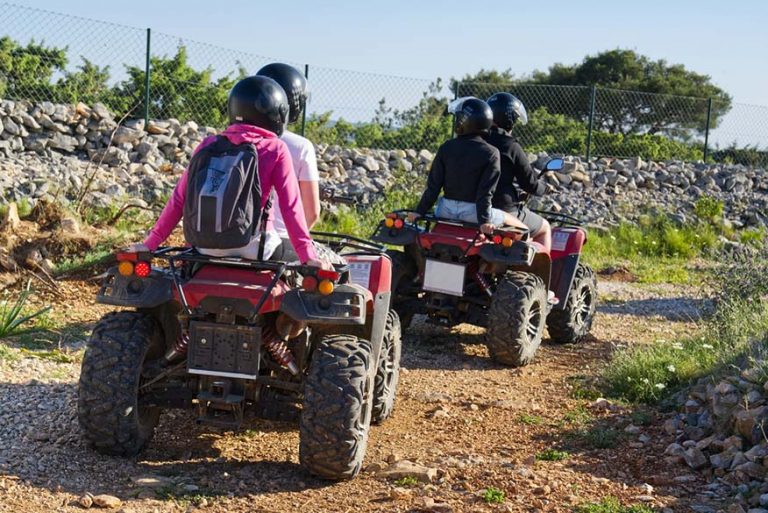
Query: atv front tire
[108, 406]
[573, 322]
[388, 373]
[516, 318]
[403, 273]
[336, 413]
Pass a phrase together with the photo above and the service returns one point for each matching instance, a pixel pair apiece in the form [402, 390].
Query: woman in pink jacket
[258, 109]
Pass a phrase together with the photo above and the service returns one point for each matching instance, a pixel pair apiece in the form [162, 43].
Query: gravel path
[470, 423]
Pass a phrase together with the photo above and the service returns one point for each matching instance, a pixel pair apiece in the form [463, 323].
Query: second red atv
[454, 274]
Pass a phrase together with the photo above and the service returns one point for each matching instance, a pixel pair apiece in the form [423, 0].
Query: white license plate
[360, 273]
[444, 277]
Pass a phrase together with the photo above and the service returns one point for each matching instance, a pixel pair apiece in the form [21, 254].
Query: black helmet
[294, 84]
[258, 101]
[471, 115]
[507, 110]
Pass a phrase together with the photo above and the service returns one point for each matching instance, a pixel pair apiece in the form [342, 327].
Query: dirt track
[477, 424]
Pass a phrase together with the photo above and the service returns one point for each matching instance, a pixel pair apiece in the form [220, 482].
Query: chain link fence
[46, 56]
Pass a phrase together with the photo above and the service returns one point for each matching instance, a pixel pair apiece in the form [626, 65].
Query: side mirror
[554, 165]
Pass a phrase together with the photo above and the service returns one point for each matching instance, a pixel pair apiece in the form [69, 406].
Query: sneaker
[551, 299]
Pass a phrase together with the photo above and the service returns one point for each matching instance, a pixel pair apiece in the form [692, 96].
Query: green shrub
[12, 312]
[611, 505]
[709, 208]
[552, 455]
[493, 495]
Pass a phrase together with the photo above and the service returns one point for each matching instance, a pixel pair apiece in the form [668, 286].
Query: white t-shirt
[305, 166]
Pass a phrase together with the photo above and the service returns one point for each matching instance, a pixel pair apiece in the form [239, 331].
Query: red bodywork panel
[233, 283]
[567, 241]
[373, 272]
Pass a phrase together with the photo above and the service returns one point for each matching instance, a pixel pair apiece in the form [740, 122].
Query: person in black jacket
[516, 171]
[466, 169]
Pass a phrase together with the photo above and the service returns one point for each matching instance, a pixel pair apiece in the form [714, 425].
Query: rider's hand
[412, 217]
[322, 264]
[487, 228]
[137, 247]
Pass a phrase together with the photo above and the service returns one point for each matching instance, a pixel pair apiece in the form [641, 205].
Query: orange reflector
[142, 269]
[389, 222]
[398, 223]
[125, 268]
[325, 287]
[506, 242]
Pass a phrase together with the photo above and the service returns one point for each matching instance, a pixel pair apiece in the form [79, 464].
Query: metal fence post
[146, 81]
[591, 121]
[455, 96]
[706, 130]
[304, 114]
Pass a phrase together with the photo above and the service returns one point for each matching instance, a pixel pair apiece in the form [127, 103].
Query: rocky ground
[462, 425]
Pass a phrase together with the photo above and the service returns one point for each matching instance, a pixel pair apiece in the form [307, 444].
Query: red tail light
[497, 239]
[398, 223]
[142, 269]
[127, 257]
[309, 283]
[325, 274]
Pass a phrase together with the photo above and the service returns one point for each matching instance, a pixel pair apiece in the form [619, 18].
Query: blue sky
[427, 39]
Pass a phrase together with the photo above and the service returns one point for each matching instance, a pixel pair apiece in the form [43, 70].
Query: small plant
[552, 455]
[530, 420]
[407, 481]
[641, 418]
[709, 208]
[601, 437]
[493, 495]
[579, 415]
[11, 313]
[611, 505]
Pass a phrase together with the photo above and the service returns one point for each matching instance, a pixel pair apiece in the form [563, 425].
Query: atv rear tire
[388, 373]
[516, 318]
[107, 408]
[336, 413]
[403, 272]
[573, 322]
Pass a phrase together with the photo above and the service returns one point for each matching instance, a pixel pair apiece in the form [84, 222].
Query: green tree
[178, 91]
[676, 105]
[26, 71]
[88, 84]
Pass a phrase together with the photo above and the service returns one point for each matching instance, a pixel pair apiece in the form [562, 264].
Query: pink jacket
[275, 170]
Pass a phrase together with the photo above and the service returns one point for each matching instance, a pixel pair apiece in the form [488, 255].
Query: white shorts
[465, 211]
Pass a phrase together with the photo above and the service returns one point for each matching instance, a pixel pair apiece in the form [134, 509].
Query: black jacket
[514, 168]
[466, 169]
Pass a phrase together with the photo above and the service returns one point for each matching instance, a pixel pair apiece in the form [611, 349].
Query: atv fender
[520, 253]
[566, 252]
[346, 305]
[149, 292]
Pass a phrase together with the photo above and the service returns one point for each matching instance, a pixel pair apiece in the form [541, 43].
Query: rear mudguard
[566, 252]
[347, 305]
[520, 253]
[393, 236]
[149, 292]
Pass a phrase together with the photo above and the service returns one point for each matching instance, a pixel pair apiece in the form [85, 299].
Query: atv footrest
[218, 406]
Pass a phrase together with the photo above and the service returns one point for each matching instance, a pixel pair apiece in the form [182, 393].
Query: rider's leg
[544, 235]
[510, 220]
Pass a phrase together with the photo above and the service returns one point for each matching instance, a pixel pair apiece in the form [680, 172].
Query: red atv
[227, 336]
[453, 273]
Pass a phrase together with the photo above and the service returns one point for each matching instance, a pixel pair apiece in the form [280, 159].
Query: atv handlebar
[431, 218]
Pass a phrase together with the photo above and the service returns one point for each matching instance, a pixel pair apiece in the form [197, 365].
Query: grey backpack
[222, 209]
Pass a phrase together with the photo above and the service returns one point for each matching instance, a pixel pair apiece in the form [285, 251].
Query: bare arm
[310, 199]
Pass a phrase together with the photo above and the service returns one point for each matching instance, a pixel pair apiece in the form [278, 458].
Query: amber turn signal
[389, 222]
[506, 242]
[125, 268]
[325, 287]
